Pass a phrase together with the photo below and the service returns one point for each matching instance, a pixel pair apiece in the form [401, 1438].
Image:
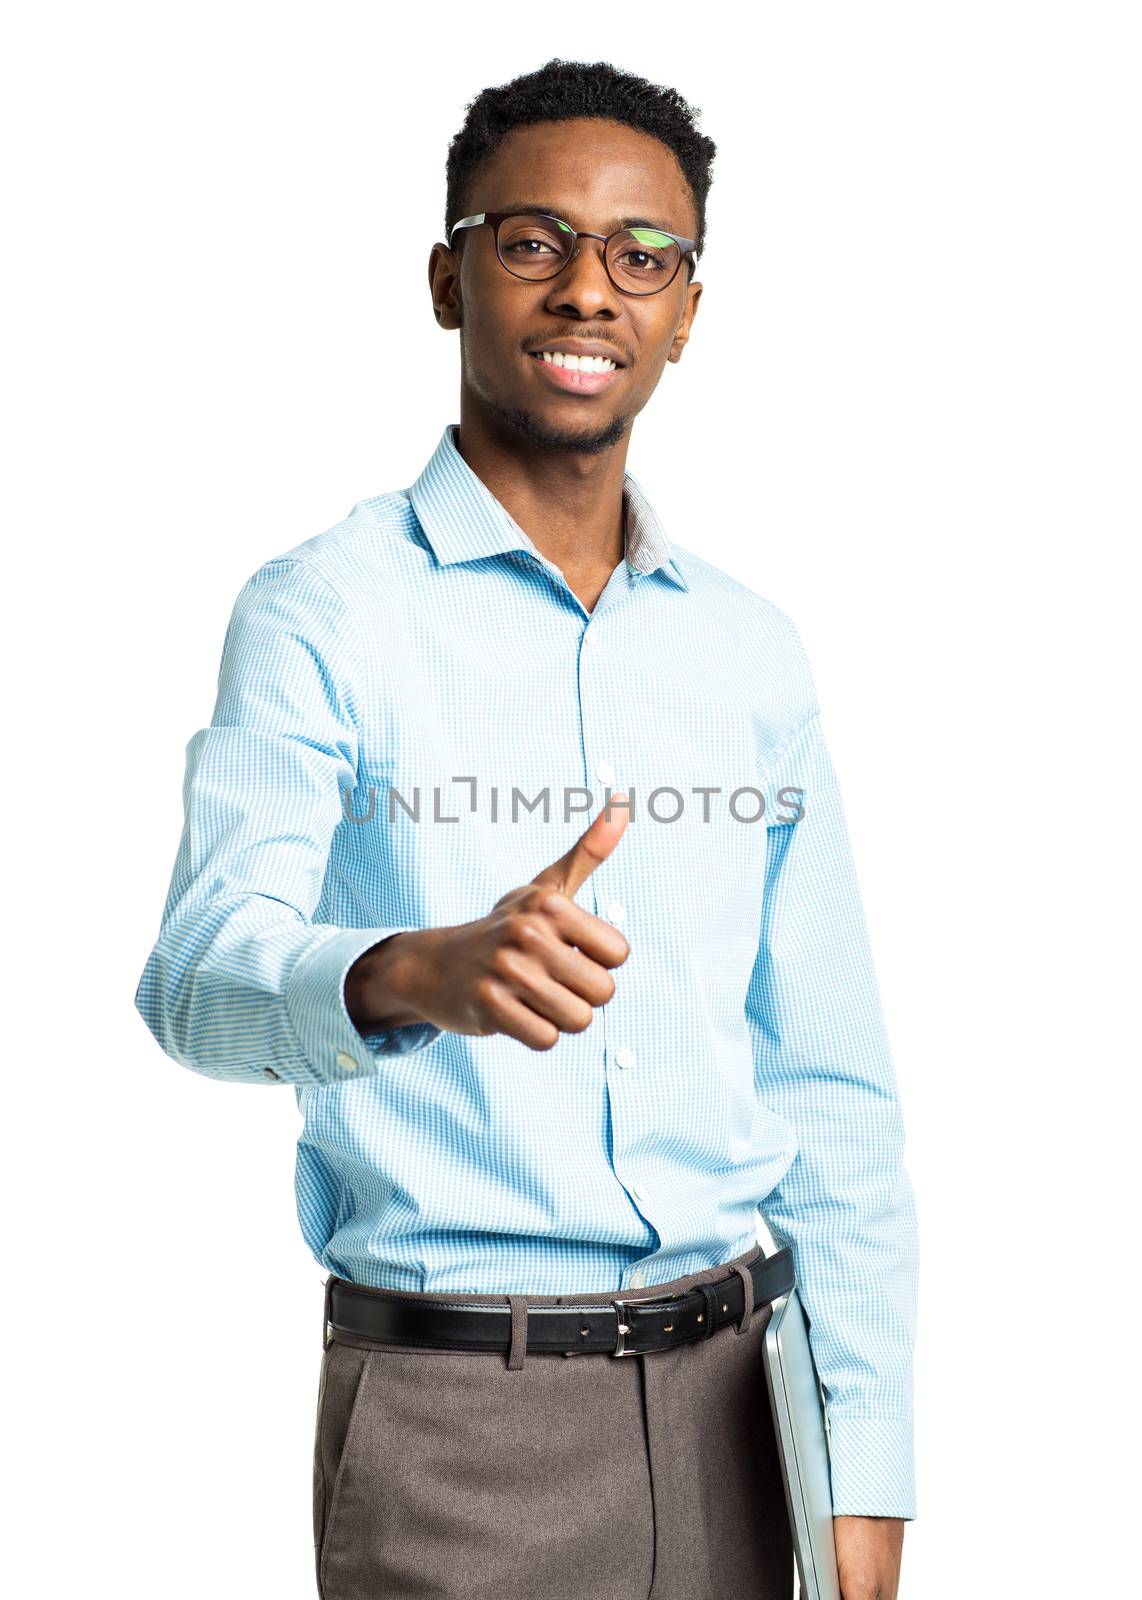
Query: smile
[584, 374]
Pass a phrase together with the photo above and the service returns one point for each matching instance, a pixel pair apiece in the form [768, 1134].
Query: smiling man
[549, 1072]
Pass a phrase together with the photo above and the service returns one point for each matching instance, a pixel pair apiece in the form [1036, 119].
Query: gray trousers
[468, 1475]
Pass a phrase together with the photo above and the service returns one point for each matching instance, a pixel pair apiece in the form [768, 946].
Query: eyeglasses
[533, 245]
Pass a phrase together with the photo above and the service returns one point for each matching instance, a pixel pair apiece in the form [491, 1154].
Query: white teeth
[579, 363]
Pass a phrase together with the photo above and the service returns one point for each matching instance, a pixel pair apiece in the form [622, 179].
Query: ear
[689, 311]
[444, 285]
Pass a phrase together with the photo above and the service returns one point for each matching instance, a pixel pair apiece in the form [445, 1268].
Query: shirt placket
[603, 776]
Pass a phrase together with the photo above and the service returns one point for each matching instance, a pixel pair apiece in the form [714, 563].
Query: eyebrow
[553, 211]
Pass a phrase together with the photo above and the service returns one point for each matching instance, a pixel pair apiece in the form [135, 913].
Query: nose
[583, 288]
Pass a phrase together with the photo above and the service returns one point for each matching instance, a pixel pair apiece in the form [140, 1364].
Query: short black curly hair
[561, 89]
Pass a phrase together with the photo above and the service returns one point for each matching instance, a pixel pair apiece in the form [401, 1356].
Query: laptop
[801, 1427]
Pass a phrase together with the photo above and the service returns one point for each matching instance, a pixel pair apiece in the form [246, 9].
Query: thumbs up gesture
[533, 968]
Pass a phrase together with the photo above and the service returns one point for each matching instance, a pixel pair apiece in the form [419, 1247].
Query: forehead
[589, 170]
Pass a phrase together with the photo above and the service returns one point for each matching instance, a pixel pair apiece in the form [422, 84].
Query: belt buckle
[624, 1328]
[620, 1303]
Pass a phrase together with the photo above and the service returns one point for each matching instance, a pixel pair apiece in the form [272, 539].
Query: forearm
[857, 1269]
[845, 1204]
[242, 982]
[248, 992]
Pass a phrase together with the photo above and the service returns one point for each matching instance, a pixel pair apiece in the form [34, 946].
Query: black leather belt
[621, 1326]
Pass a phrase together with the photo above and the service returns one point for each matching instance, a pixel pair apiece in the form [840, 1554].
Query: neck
[568, 502]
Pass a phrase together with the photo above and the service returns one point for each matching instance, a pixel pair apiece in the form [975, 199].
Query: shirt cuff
[315, 1003]
[871, 1462]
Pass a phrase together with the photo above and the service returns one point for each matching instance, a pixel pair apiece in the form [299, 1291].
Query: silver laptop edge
[801, 1429]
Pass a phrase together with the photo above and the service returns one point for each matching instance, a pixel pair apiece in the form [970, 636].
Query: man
[543, 1066]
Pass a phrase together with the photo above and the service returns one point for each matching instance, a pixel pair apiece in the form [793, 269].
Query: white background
[908, 414]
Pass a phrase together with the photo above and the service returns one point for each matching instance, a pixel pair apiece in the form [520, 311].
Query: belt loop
[326, 1341]
[518, 1351]
[710, 1296]
[746, 1277]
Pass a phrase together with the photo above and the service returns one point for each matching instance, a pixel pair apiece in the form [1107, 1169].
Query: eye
[645, 252]
[518, 244]
[647, 261]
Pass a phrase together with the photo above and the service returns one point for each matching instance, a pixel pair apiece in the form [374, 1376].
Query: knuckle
[506, 962]
[525, 926]
[487, 992]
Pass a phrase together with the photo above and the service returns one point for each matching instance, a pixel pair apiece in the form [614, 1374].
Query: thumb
[589, 851]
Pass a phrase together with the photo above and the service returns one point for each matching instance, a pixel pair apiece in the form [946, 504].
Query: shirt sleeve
[845, 1205]
[241, 983]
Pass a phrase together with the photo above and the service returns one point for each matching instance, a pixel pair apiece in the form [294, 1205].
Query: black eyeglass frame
[688, 248]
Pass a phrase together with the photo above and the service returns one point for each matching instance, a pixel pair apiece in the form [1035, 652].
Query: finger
[561, 964]
[588, 852]
[575, 928]
[518, 1021]
[544, 995]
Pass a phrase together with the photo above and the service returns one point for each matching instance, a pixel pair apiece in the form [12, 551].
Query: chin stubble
[539, 433]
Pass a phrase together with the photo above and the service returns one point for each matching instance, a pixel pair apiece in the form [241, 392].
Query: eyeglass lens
[640, 260]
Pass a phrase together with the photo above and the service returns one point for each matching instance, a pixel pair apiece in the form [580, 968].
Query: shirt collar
[463, 520]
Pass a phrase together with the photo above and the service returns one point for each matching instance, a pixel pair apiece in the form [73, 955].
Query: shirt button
[347, 1062]
[637, 1280]
[637, 1195]
[270, 1073]
[605, 772]
[624, 1056]
[615, 912]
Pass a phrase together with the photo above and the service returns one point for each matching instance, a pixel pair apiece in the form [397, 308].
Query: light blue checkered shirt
[396, 698]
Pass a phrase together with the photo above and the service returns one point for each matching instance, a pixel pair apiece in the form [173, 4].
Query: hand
[868, 1556]
[533, 968]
